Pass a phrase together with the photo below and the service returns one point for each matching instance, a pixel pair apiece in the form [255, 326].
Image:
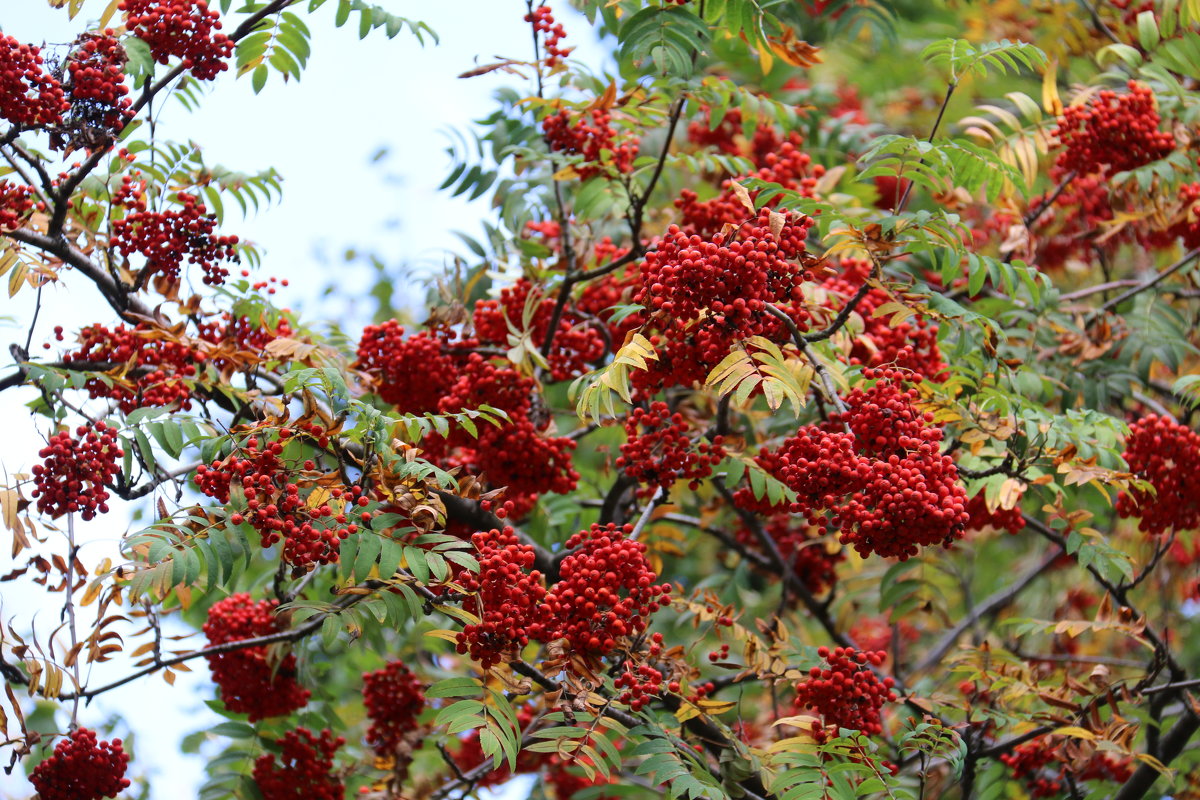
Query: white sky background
[355, 98]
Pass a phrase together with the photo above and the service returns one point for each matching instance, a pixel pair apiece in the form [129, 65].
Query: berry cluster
[275, 506]
[845, 693]
[779, 161]
[911, 344]
[412, 374]
[813, 563]
[303, 768]
[82, 768]
[595, 141]
[508, 598]
[29, 96]
[616, 288]
[16, 201]
[887, 485]
[96, 88]
[1083, 211]
[605, 593]
[77, 471]
[1112, 133]
[166, 238]
[161, 367]
[249, 682]
[576, 343]
[516, 455]
[394, 698]
[980, 517]
[712, 293]
[1167, 455]
[659, 451]
[638, 686]
[552, 34]
[1034, 763]
[186, 29]
[911, 495]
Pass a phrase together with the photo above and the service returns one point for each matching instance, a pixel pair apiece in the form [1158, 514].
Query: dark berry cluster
[412, 373]
[161, 367]
[605, 592]
[1112, 133]
[845, 693]
[96, 88]
[597, 141]
[1043, 766]
[76, 471]
[29, 96]
[303, 768]
[249, 682]
[809, 553]
[576, 343]
[16, 201]
[911, 344]
[82, 768]
[185, 29]
[642, 683]
[1167, 455]
[979, 516]
[552, 34]
[508, 598]
[167, 238]
[394, 698]
[658, 450]
[275, 505]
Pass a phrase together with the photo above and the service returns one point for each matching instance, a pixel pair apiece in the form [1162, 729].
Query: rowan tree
[814, 418]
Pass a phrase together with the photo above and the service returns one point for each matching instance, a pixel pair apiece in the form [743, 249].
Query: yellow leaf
[1050, 99]
[1076, 732]
[449, 636]
[717, 706]
[743, 195]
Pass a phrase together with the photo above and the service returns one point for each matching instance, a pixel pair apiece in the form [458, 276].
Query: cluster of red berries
[845, 693]
[508, 597]
[911, 495]
[303, 768]
[394, 698]
[979, 516]
[186, 29]
[516, 455]
[779, 161]
[29, 96]
[97, 89]
[249, 682]
[889, 488]
[1033, 763]
[687, 275]
[552, 34]
[605, 592]
[16, 201]
[232, 335]
[911, 344]
[1082, 211]
[638, 686]
[161, 366]
[600, 296]
[275, 506]
[411, 373]
[82, 768]
[576, 343]
[596, 141]
[77, 471]
[1167, 454]
[166, 238]
[658, 450]
[802, 545]
[1112, 133]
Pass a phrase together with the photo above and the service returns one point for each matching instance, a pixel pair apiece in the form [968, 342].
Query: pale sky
[355, 98]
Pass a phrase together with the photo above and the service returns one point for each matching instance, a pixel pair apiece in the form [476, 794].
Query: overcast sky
[355, 99]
